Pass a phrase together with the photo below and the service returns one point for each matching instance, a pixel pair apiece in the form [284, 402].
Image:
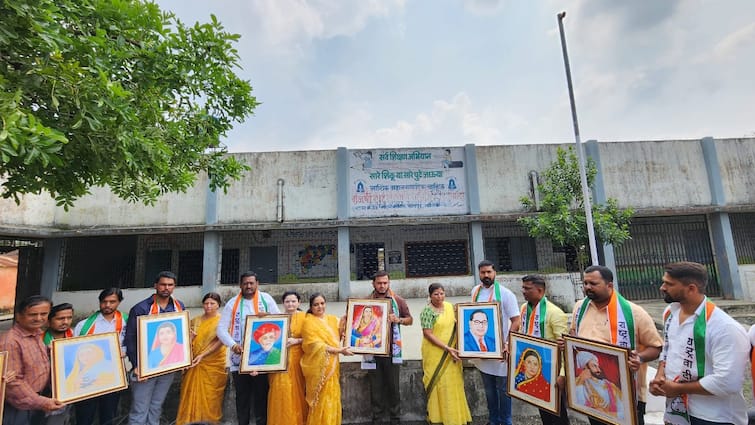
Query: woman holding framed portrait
[286, 404]
[443, 374]
[203, 384]
[321, 346]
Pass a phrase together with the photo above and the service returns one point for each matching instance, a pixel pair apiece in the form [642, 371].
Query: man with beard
[251, 389]
[58, 327]
[494, 372]
[384, 377]
[149, 394]
[593, 390]
[608, 317]
[107, 319]
[705, 352]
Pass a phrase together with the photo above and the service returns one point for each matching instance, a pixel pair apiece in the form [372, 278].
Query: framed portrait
[3, 369]
[367, 328]
[534, 364]
[598, 381]
[479, 332]
[163, 343]
[87, 366]
[264, 346]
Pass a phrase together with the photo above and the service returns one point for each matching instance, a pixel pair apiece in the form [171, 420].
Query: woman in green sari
[443, 375]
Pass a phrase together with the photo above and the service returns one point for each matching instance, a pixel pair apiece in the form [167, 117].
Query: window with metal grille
[157, 261]
[229, 266]
[99, 262]
[190, 264]
[743, 230]
[437, 258]
[513, 253]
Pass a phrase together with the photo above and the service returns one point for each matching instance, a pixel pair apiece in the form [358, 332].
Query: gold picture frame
[163, 343]
[367, 327]
[599, 371]
[534, 365]
[264, 344]
[88, 366]
[479, 333]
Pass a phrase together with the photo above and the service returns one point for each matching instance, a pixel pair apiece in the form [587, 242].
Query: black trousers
[106, 405]
[251, 397]
[549, 418]
[640, 415]
[384, 390]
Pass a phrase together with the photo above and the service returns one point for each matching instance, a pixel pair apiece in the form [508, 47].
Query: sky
[426, 73]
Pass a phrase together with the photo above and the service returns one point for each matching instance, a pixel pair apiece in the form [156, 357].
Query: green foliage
[114, 92]
[562, 214]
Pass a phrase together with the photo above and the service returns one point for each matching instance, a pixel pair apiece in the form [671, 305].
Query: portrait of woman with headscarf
[91, 370]
[529, 378]
[166, 349]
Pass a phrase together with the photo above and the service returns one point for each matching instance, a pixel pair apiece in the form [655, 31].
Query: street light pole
[580, 153]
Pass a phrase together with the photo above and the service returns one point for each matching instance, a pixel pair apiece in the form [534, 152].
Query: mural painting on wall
[407, 182]
[318, 260]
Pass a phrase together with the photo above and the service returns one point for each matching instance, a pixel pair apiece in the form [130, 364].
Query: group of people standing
[703, 353]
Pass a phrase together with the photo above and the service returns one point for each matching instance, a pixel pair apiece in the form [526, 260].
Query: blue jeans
[147, 399]
[499, 403]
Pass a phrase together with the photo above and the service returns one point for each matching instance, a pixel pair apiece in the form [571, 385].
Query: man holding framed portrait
[605, 316]
[543, 319]
[494, 372]
[149, 394]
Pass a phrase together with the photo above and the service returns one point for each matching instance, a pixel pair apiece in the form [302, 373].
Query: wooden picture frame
[367, 327]
[163, 343]
[473, 327]
[534, 365]
[264, 343]
[86, 366]
[595, 368]
[3, 370]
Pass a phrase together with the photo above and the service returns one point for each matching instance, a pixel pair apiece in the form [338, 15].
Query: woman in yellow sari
[321, 345]
[203, 385]
[286, 404]
[443, 374]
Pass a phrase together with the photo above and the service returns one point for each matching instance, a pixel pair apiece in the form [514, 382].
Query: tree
[561, 217]
[117, 93]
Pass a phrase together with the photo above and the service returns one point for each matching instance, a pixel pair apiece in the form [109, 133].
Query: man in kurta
[28, 365]
[705, 353]
[251, 389]
[543, 319]
[605, 316]
[107, 319]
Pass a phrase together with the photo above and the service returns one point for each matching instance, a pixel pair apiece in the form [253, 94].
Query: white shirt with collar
[102, 325]
[727, 351]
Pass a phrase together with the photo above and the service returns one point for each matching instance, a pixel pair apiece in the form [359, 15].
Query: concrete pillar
[51, 263]
[212, 252]
[476, 239]
[342, 209]
[719, 226]
[592, 150]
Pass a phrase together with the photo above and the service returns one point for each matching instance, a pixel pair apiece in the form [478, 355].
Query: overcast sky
[409, 73]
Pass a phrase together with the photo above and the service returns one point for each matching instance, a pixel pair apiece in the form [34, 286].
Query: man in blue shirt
[149, 394]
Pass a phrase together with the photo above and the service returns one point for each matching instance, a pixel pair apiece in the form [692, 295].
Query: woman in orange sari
[286, 404]
[203, 385]
[321, 345]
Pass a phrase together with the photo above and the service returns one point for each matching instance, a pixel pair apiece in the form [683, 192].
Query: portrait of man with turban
[593, 389]
[265, 338]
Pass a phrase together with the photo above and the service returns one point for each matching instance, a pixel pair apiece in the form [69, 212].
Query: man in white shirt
[107, 319]
[251, 390]
[704, 355]
[493, 371]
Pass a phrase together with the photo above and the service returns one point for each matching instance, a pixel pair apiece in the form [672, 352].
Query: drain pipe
[280, 200]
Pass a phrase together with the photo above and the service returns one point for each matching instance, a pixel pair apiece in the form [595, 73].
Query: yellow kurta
[446, 402]
[321, 370]
[286, 404]
[203, 385]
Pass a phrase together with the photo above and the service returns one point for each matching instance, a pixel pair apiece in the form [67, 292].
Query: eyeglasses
[480, 322]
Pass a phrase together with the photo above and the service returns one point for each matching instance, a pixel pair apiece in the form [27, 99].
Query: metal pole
[580, 153]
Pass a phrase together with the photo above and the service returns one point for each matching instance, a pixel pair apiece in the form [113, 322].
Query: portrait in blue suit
[477, 328]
